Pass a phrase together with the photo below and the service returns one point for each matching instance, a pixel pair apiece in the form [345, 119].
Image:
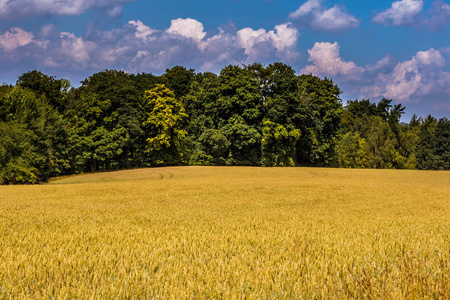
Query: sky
[371, 49]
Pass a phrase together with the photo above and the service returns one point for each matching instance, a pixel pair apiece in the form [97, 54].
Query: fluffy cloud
[14, 38]
[136, 47]
[419, 76]
[410, 13]
[75, 48]
[404, 12]
[142, 31]
[411, 81]
[326, 60]
[25, 8]
[312, 14]
[285, 37]
[256, 42]
[188, 28]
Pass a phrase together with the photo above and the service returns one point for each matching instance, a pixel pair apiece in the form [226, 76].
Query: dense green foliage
[252, 115]
[373, 137]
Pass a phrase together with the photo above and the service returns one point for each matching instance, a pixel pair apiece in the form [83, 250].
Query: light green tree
[165, 119]
[350, 151]
[278, 145]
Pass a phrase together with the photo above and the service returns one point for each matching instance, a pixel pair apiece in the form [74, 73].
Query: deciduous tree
[165, 119]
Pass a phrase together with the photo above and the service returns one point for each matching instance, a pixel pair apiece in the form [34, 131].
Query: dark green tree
[319, 112]
[281, 95]
[443, 144]
[55, 90]
[178, 79]
[109, 123]
[143, 82]
[244, 143]
[212, 149]
[238, 96]
[426, 148]
[34, 138]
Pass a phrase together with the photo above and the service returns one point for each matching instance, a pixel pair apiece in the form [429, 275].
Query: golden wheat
[232, 233]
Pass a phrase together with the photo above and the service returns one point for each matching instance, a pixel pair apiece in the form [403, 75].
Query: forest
[252, 115]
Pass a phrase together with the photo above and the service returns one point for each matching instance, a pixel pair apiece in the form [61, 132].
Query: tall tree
[238, 96]
[109, 122]
[34, 138]
[426, 148]
[164, 124]
[55, 90]
[320, 111]
[443, 144]
[381, 146]
[281, 95]
[283, 113]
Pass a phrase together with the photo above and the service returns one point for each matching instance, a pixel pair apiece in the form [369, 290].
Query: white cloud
[14, 38]
[312, 14]
[429, 57]
[76, 49]
[306, 9]
[285, 37]
[403, 82]
[418, 76]
[138, 48]
[25, 8]
[422, 78]
[257, 42]
[221, 49]
[411, 13]
[421, 83]
[142, 31]
[327, 61]
[188, 28]
[401, 13]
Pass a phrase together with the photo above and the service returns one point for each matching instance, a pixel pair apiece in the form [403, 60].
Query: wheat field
[228, 233]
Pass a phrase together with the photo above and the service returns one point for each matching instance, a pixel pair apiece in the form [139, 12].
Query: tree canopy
[251, 115]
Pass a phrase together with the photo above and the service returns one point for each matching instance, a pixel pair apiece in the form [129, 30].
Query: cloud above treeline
[313, 14]
[410, 81]
[15, 9]
[316, 15]
[411, 13]
[137, 47]
[401, 13]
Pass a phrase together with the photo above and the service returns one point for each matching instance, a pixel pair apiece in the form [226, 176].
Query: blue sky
[372, 49]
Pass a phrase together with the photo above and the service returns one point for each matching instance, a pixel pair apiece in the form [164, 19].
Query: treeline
[252, 115]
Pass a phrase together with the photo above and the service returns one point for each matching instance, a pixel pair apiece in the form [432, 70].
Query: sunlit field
[228, 232]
